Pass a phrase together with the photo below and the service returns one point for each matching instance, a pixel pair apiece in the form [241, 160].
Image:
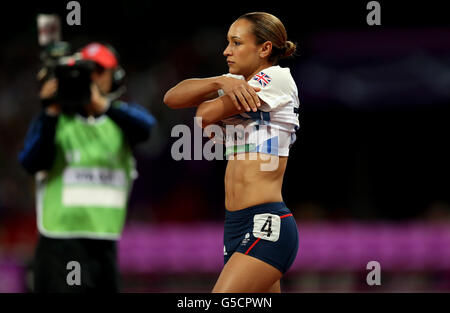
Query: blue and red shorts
[266, 231]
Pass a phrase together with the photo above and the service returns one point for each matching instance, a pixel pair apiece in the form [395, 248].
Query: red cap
[100, 54]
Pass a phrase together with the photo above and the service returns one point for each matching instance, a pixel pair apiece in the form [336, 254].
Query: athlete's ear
[265, 50]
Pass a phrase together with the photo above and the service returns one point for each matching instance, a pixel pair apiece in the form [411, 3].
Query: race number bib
[266, 226]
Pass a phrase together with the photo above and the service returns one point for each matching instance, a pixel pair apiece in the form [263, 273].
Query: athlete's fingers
[235, 102]
[250, 100]
[243, 101]
[253, 92]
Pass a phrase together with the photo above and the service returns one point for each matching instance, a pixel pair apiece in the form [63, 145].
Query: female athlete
[260, 236]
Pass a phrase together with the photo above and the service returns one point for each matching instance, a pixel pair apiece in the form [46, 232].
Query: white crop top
[272, 128]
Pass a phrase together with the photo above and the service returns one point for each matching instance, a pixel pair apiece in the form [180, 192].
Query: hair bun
[289, 48]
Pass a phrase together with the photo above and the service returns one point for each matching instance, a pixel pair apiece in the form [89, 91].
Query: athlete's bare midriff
[253, 180]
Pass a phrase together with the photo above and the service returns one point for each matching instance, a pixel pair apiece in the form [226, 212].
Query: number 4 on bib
[266, 226]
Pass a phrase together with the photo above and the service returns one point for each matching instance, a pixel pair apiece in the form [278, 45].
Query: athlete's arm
[192, 92]
[216, 110]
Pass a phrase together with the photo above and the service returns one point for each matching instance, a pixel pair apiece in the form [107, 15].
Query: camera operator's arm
[134, 120]
[39, 147]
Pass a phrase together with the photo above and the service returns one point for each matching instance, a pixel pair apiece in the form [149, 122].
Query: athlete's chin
[232, 69]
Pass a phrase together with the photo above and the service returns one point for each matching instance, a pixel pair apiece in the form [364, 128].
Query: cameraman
[84, 170]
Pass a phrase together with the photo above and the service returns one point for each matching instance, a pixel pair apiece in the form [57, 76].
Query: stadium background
[367, 180]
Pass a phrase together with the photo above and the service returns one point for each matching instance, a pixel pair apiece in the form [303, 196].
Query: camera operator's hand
[99, 103]
[48, 91]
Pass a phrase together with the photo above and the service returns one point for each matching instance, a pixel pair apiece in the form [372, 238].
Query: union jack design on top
[262, 79]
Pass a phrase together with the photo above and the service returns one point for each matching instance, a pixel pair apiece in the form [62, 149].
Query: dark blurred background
[371, 149]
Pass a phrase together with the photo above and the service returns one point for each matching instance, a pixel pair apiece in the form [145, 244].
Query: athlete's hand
[241, 93]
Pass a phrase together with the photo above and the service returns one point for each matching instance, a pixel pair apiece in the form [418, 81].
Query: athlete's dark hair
[267, 27]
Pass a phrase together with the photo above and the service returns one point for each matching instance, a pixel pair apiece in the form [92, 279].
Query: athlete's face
[242, 52]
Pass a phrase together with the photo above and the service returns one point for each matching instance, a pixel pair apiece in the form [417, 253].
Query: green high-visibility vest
[85, 193]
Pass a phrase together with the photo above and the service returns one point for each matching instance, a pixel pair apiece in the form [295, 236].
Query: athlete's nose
[227, 51]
